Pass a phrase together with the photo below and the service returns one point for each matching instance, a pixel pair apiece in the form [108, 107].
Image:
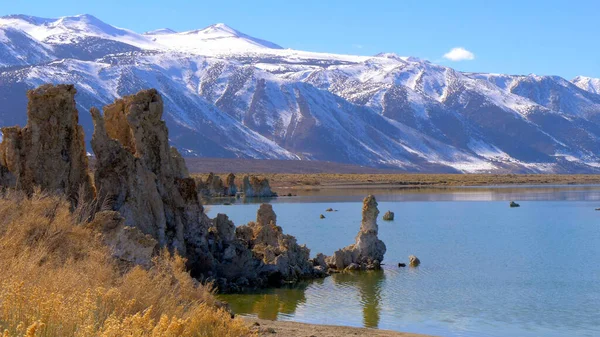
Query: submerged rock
[413, 261]
[49, 151]
[367, 251]
[388, 216]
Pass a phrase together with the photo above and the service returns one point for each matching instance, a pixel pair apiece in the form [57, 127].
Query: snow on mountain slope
[588, 84]
[17, 48]
[228, 94]
[552, 92]
[218, 38]
[71, 29]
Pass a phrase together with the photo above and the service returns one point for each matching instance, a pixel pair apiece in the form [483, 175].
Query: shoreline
[297, 329]
[292, 182]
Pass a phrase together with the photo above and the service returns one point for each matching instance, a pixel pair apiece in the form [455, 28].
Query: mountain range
[231, 95]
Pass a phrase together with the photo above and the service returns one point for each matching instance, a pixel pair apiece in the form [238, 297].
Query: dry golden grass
[58, 279]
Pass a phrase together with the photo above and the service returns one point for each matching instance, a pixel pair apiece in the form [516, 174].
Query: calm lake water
[487, 269]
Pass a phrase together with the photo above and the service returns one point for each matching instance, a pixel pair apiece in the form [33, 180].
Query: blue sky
[516, 37]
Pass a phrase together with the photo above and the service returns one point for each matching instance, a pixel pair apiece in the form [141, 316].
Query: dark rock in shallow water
[388, 216]
[401, 264]
[322, 216]
[329, 210]
[514, 204]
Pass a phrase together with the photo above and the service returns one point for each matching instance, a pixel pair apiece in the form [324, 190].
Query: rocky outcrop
[255, 187]
[280, 252]
[143, 177]
[154, 203]
[367, 252]
[230, 188]
[214, 186]
[49, 152]
[255, 255]
[388, 216]
[127, 244]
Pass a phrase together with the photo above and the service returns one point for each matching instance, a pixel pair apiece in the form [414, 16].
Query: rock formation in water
[214, 186]
[367, 252]
[256, 254]
[388, 216]
[49, 152]
[280, 252]
[142, 176]
[255, 187]
[230, 188]
[413, 261]
[127, 244]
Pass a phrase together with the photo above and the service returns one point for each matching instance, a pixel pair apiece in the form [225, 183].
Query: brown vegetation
[410, 180]
[59, 279]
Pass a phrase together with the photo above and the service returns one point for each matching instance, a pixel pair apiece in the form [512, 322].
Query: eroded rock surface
[126, 243]
[214, 186]
[280, 252]
[255, 187]
[142, 176]
[367, 252]
[257, 254]
[230, 188]
[49, 151]
[211, 187]
[413, 261]
[154, 202]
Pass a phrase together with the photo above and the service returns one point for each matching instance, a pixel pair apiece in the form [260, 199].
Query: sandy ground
[295, 329]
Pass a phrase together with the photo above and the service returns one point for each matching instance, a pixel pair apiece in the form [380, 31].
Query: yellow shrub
[58, 279]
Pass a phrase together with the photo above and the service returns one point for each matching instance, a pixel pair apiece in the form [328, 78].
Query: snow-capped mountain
[588, 83]
[228, 94]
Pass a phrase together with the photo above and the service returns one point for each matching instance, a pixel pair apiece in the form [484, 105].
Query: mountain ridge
[228, 94]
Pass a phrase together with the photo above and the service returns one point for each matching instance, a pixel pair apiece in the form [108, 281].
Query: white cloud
[459, 54]
[358, 46]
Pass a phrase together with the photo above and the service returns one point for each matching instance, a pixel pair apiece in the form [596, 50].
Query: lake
[486, 269]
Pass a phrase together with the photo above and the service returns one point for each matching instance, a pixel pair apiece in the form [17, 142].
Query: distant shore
[295, 329]
[294, 181]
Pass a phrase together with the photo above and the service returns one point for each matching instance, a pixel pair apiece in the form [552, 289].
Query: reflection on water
[283, 302]
[269, 303]
[478, 193]
[369, 285]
